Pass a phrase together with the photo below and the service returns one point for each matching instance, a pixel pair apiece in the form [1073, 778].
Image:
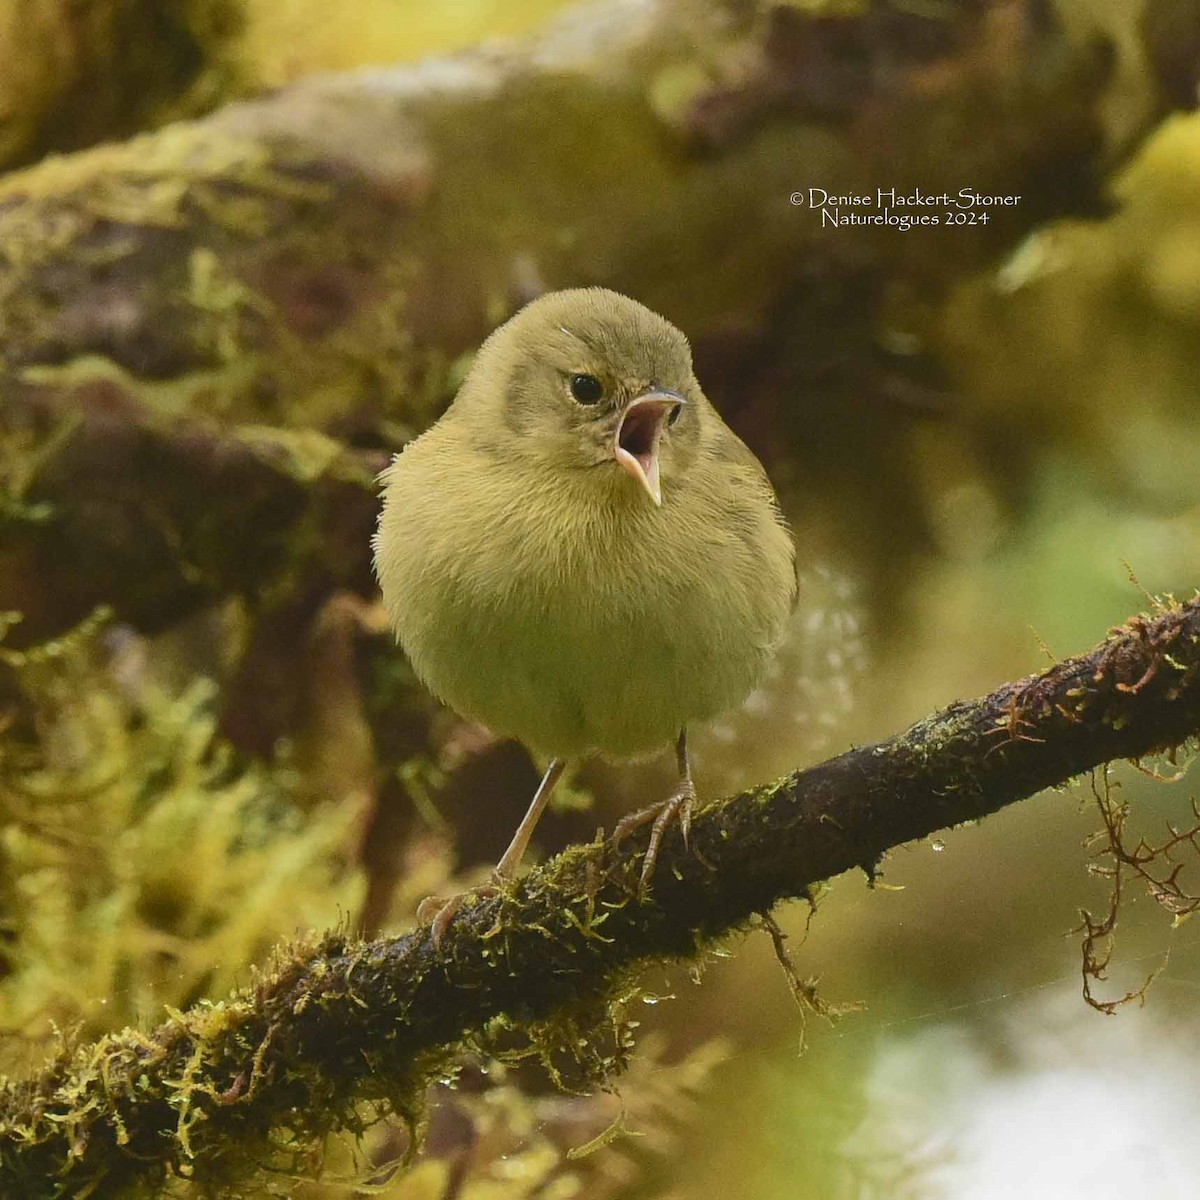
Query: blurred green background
[987, 441]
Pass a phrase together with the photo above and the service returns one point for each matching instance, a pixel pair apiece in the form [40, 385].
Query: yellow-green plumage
[537, 588]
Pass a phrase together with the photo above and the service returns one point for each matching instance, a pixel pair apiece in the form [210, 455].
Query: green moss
[168, 399]
[142, 867]
[173, 228]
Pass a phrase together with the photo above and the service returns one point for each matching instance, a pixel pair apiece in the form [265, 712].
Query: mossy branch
[332, 1025]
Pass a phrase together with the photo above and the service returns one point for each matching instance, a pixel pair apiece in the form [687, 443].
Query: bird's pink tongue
[639, 437]
[637, 441]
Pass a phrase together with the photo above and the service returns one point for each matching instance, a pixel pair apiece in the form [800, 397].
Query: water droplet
[937, 845]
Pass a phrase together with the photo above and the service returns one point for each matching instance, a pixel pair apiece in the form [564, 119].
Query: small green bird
[580, 553]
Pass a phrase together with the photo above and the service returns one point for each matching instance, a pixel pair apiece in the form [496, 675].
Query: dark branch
[213, 1090]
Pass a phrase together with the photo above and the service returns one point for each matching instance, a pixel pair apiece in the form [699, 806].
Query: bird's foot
[439, 911]
[676, 807]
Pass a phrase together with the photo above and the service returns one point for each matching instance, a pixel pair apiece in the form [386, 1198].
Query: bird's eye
[587, 389]
[675, 414]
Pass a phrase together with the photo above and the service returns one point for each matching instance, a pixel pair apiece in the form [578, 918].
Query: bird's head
[587, 380]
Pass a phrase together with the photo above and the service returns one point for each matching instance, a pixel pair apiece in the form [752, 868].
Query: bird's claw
[676, 807]
[439, 911]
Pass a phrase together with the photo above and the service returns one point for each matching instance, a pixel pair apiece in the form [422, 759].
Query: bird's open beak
[639, 431]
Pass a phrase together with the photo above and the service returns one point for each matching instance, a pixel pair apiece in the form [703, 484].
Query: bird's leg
[442, 911]
[676, 807]
[506, 868]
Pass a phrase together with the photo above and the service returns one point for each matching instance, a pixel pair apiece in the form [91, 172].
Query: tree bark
[212, 1092]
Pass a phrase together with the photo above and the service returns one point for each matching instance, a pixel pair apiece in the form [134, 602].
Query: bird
[581, 554]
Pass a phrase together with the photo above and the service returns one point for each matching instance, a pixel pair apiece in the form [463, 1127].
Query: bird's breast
[552, 613]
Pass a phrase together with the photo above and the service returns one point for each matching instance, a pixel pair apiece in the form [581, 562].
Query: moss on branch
[338, 1030]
